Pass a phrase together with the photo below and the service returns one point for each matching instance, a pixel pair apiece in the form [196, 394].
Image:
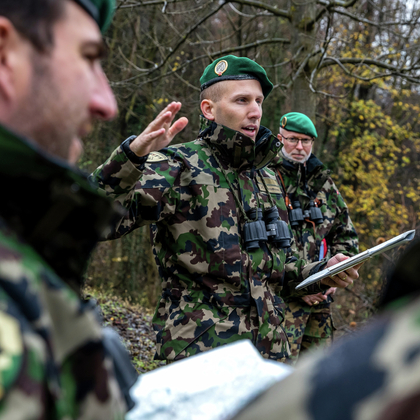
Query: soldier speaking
[220, 234]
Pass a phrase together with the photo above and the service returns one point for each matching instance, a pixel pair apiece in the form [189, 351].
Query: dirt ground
[134, 325]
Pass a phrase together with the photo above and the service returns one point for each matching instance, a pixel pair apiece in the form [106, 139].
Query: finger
[343, 275]
[356, 267]
[341, 257]
[160, 121]
[172, 107]
[352, 272]
[143, 144]
[148, 138]
[166, 116]
[177, 126]
[343, 281]
[336, 281]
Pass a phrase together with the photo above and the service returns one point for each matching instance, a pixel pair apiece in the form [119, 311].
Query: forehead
[249, 87]
[76, 26]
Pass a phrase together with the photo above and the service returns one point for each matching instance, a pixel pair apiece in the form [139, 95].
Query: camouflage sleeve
[342, 237]
[297, 270]
[53, 363]
[146, 191]
[82, 388]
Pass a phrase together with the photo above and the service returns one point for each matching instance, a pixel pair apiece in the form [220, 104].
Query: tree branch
[210, 55]
[330, 61]
[328, 5]
[185, 37]
[259, 5]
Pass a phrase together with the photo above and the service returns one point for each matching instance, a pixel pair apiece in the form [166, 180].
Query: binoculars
[296, 215]
[268, 228]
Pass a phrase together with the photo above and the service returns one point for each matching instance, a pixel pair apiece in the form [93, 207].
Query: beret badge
[284, 122]
[221, 67]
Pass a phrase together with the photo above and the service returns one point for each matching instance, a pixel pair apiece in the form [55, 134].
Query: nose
[255, 111]
[103, 104]
[299, 145]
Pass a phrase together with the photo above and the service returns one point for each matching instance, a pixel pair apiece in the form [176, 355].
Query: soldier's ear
[15, 61]
[207, 108]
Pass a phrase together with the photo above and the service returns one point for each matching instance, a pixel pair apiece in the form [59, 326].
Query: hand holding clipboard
[358, 259]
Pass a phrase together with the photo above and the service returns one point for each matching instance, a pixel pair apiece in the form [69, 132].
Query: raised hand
[159, 133]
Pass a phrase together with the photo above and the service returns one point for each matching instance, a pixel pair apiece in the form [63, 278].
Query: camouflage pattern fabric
[307, 327]
[371, 375]
[53, 364]
[310, 327]
[213, 291]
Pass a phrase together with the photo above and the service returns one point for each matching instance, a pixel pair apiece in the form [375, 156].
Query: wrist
[134, 158]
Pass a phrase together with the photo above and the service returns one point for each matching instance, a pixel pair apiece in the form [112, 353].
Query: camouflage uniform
[308, 326]
[372, 375]
[213, 291]
[53, 364]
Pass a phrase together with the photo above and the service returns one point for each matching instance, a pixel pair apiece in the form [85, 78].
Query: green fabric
[298, 123]
[100, 10]
[231, 67]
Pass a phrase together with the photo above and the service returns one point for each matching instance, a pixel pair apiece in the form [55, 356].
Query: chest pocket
[272, 186]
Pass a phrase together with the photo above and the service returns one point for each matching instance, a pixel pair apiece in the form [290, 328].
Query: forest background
[351, 66]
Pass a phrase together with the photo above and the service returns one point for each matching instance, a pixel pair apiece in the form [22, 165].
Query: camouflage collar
[51, 206]
[237, 149]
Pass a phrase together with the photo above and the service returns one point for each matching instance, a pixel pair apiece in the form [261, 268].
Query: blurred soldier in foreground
[373, 375]
[55, 360]
[221, 238]
[321, 227]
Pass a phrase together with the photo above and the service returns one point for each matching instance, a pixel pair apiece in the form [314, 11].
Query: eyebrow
[247, 94]
[101, 47]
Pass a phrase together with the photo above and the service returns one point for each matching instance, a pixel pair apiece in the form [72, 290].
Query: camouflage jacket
[53, 364]
[370, 375]
[197, 234]
[313, 181]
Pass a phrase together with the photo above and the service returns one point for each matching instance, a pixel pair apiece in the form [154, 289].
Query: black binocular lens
[277, 230]
[270, 229]
[296, 214]
[254, 231]
[315, 213]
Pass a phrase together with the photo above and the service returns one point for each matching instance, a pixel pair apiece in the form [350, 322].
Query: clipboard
[357, 259]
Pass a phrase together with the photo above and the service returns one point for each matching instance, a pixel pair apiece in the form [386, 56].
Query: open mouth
[250, 130]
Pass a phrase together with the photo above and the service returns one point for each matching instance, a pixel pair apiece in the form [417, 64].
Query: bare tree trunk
[303, 37]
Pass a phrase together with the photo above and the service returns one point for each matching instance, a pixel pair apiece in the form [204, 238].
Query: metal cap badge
[221, 67]
[284, 122]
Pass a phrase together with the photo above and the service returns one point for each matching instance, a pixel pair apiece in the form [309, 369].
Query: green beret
[298, 123]
[231, 67]
[100, 10]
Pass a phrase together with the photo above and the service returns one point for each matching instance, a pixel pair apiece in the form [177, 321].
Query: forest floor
[134, 325]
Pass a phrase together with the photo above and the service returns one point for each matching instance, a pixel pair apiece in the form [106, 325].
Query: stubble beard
[43, 117]
[289, 156]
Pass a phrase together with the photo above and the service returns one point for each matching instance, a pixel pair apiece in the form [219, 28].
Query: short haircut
[34, 19]
[213, 92]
